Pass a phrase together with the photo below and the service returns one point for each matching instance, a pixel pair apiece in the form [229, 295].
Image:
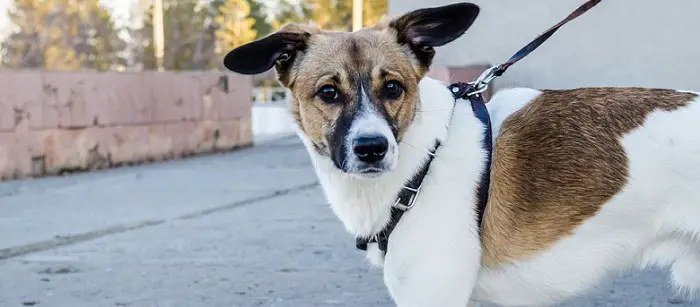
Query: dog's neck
[364, 205]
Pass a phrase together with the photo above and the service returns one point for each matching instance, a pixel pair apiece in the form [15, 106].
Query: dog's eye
[393, 89]
[329, 94]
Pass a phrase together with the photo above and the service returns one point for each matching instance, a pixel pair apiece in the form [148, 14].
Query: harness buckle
[411, 201]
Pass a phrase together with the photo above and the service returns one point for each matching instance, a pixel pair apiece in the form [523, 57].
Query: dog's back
[585, 181]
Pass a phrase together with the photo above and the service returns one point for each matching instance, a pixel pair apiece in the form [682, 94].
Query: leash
[468, 91]
[472, 91]
[481, 83]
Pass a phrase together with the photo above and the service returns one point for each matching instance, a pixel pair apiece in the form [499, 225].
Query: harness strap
[463, 90]
[470, 91]
[404, 202]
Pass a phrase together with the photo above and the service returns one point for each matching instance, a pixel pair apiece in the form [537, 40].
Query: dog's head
[354, 95]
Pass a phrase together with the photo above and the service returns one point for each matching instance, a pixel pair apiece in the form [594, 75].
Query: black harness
[471, 92]
[408, 194]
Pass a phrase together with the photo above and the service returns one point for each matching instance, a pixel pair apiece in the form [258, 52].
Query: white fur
[434, 251]
[653, 221]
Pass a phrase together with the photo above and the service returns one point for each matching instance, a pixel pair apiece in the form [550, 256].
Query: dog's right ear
[278, 49]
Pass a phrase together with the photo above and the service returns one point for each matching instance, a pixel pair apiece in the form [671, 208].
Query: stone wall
[57, 122]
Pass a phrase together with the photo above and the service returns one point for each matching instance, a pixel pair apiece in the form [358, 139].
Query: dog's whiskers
[429, 152]
[415, 147]
[429, 111]
[330, 170]
[344, 164]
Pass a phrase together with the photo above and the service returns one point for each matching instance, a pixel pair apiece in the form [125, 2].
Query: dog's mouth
[367, 170]
[371, 172]
[368, 173]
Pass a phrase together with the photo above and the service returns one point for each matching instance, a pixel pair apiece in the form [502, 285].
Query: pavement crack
[249, 201]
[11, 252]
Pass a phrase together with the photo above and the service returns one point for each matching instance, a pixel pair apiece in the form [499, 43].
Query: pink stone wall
[55, 122]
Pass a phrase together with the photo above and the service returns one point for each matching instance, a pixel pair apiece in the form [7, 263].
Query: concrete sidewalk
[249, 228]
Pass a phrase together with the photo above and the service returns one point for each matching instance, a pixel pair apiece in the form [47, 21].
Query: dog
[583, 182]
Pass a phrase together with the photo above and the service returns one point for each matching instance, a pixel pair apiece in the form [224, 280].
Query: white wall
[271, 122]
[617, 43]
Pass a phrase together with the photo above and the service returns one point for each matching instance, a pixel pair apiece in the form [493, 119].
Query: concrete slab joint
[57, 122]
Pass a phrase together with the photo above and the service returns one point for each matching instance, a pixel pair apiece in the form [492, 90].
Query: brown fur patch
[558, 160]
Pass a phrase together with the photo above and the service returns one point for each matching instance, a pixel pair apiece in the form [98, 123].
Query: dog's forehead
[354, 52]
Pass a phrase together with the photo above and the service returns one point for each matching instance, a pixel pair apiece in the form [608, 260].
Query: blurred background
[90, 84]
[93, 91]
[135, 35]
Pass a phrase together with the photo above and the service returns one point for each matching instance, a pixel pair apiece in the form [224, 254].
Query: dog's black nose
[370, 148]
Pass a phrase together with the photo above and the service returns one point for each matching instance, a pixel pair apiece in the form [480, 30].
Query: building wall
[57, 122]
[617, 43]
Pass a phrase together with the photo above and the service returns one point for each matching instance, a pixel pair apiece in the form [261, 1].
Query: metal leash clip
[481, 84]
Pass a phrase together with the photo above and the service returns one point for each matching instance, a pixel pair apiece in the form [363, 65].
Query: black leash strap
[472, 92]
[481, 83]
[544, 36]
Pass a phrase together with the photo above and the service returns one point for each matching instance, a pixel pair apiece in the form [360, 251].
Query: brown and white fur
[584, 182]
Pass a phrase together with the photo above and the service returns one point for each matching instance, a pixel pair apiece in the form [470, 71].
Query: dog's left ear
[426, 28]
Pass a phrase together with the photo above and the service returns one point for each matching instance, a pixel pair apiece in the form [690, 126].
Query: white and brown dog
[583, 182]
